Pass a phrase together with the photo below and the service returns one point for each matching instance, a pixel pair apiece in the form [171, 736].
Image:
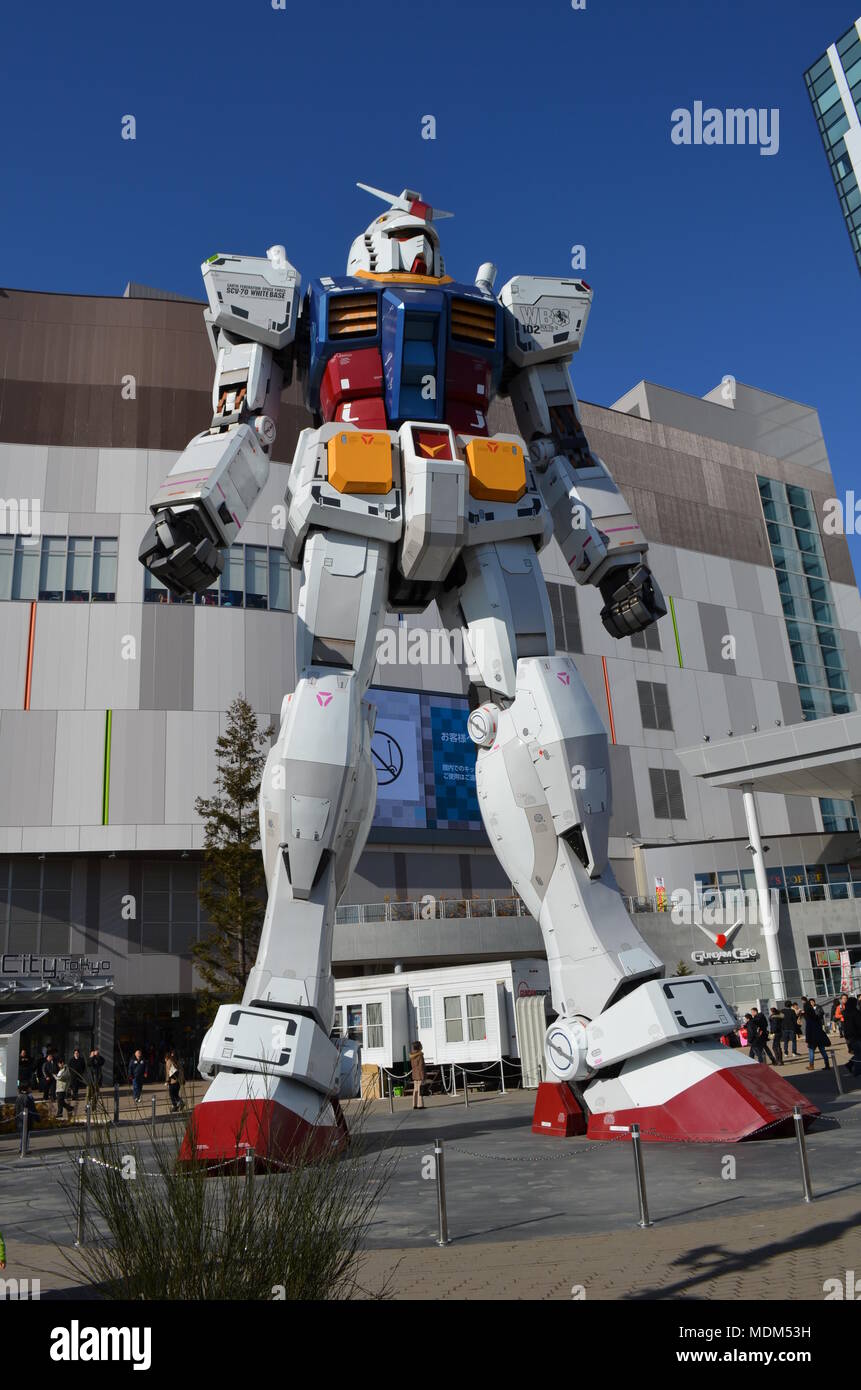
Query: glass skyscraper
[834, 85]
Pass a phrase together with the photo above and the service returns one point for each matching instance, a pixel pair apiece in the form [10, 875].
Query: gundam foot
[278, 1121]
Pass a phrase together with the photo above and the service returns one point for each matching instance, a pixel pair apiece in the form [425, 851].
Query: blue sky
[553, 129]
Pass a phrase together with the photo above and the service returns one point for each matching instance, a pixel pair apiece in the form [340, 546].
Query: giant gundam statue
[400, 496]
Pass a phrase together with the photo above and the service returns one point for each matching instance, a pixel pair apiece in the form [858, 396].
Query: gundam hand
[178, 550]
[632, 600]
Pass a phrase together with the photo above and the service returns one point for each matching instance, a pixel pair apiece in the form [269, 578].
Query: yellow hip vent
[497, 470]
[360, 461]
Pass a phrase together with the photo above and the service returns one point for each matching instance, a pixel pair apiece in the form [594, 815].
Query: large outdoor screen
[425, 763]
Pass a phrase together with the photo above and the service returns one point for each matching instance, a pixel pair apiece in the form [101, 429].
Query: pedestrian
[77, 1074]
[417, 1067]
[742, 1032]
[837, 1016]
[173, 1080]
[814, 1035]
[137, 1074]
[788, 1034]
[852, 1031]
[25, 1068]
[62, 1082]
[95, 1066]
[49, 1077]
[775, 1023]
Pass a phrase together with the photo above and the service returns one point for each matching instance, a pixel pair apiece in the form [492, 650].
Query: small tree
[232, 881]
[683, 969]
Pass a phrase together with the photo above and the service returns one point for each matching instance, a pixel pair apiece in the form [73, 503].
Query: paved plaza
[535, 1217]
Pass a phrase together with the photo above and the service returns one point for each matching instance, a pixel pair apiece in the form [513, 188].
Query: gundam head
[402, 241]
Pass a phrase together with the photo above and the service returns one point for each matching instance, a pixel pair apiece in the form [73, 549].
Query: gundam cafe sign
[28, 966]
[720, 918]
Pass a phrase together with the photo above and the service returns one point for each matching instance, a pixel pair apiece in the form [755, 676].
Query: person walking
[417, 1067]
[49, 1077]
[25, 1068]
[137, 1074]
[77, 1074]
[852, 1031]
[775, 1023]
[788, 1034]
[814, 1035]
[174, 1079]
[62, 1083]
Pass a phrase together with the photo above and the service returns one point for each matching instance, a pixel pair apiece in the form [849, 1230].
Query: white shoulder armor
[256, 297]
[545, 317]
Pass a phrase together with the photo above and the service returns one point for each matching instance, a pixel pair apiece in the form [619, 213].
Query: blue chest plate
[424, 334]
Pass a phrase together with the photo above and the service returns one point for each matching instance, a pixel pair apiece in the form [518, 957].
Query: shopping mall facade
[111, 698]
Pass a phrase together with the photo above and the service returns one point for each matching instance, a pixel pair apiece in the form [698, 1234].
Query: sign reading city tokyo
[52, 967]
[722, 956]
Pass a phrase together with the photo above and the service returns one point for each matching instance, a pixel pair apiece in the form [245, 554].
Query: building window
[667, 798]
[453, 1013]
[354, 1023]
[36, 905]
[254, 576]
[566, 617]
[77, 569]
[171, 916]
[338, 1022]
[647, 639]
[374, 1019]
[654, 705]
[423, 1010]
[475, 1017]
[838, 816]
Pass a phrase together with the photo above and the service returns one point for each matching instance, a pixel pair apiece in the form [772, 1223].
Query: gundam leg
[631, 1046]
[277, 1076]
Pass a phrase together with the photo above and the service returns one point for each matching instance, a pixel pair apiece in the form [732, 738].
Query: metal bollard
[837, 1077]
[25, 1133]
[89, 1115]
[391, 1095]
[802, 1154]
[453, 1079]
[116, 1102]
[636, 1145]
[502, 1074]
[440, 1194]
[153, 1114]
[79, 1215]
[465, 1088]
[249, 1172]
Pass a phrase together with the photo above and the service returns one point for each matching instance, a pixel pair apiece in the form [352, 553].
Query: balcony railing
[429, 909]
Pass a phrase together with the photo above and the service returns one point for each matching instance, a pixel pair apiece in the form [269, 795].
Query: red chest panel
[352, 390]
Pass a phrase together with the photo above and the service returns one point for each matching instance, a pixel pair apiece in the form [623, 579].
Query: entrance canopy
[818, 758]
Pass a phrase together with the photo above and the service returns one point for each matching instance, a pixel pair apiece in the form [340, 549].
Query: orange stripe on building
[609, 700]
[30, 644]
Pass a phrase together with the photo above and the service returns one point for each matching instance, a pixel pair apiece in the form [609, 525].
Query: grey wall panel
[790, 702]
[852, 648]
[14, 638]
[715, 626]
[719, 577]
[742, 705]
[773, 815]
[189, 763]
[713, 705]
[773, 647]
[60, 656]
[692, 576]
[690, 636]
[137, 768]
[27, 739]
[70, 480]
[740, 626]
[769, 708]
[663, 561]
[270, 661]
[23, 468]
[167, 656]
[219, 657]
[624, 819]
[748, 591]
[94, 524]
[121, 481]
[622, 677]
[684, 706]
[78, 768]
[114, 656]
[802, 815]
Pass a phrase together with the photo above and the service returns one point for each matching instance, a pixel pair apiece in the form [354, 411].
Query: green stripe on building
[106, 784]
[676, 630]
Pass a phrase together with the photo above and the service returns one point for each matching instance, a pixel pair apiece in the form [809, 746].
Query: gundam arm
[206, 497]
[600, 539]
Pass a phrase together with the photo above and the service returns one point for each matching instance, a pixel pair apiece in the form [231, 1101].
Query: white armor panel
[222, 474]
[312, 501]
[434, 505]
[546, 317]
[282, 1044]
[256, 297]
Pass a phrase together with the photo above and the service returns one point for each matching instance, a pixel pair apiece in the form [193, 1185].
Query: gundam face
[402, 241]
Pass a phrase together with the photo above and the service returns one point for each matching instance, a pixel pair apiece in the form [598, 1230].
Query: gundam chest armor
[400, 496]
